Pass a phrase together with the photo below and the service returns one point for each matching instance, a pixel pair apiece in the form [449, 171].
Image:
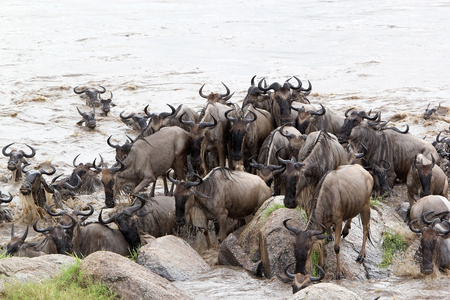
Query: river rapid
[390, 56]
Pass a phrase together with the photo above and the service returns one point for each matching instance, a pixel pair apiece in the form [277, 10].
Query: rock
[36, 269]
[325, 291]
[128, 279]
[231, 254]
[172, 258]
[276, 243]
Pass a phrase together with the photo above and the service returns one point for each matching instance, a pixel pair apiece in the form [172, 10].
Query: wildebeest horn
[247, 120]
[174, 181]
[388, 164]
[146, 111]
[110, 220]
[73, 187]
[33, 152]
[49, 211]
[288, 136]
[131, 210]
[6, 200]
[437, 138]
[286, 271]
[290, 228]
[131, 140]
[189, 184]
[362, 154]
[321, 276]
[42, 171]
[85, 214]
[412, 227]
[208, 124]
[101, 92]
[164, 115]
[55, 178]
[79, 111]
[127, 117]
[221, 96]
[117, 169]
[398, 130]
[275, 86]
[78, 92]
[24, 234]
[4, 150]
[445, 232]
[110, 144]
[366, 116]
[299, 83]
[252, 81]
[424, 217]
[317, 232]
[347, 111]
[98, 168]
[231, 119]
[200, 91]
[187, 123]
[74, 161]
[24, 166]
[320, 112]
[256, 165]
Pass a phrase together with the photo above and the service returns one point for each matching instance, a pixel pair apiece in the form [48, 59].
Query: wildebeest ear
[199, 194]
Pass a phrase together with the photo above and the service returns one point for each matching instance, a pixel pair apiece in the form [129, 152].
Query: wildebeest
[354, 119]
[56, 241]
[156, 121]
[88, 119]
[106, 104]
[5, 215]
[310, 119]
[222, 194]
[148, 159]
[381, 181]
[154, 216]
[91, 95]
[216, 97]
[137, 121]
[425, 178]
[36, 185]
[301, 281]
[281, 100]
[121, 151]
[342, 195]
[257, 97]
[322, 152]
[248, 131]
[62, 189]
[88, 175]
[392, 145]
[433, 111]
[434, 242]
[16, 160]
[438, 204]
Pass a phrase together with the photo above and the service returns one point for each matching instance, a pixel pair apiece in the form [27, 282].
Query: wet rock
[128, 279]
[325, 291]
[231, 254]
[33, 269]
[276, 243]
[171, 258]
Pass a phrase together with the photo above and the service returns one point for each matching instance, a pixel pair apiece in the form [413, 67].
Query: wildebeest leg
[365, 217]
[145, 182]
[337, 249]
[347, 227]
[223, 216]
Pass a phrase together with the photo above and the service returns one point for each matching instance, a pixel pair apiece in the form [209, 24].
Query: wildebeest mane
[321, 136]
[209, 184]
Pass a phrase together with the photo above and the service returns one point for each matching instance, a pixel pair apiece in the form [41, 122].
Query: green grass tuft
[392, 244]
[266, 213]
[70, 283]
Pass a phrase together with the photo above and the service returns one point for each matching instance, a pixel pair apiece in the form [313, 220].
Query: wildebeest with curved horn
[16, 160]
[301, 281]
[354, 119]
[156, 121]
[137, 121]
[216, 97]
[106, 103]
[342, 195]
[36, 185]
[5, 215]
[321, 153]
[148, 159]
[258, 98]
[425, 178]
[88, 119]
[309, 119]
[91, 95]
[434, 246]
[222, 194]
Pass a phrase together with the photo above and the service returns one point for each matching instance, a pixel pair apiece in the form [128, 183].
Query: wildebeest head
[64, 187]
[16, 241]
[299, 94]
[58, 235]
[106, 104]
[182, 193]
[442, 145]
[304, 240]
[380, 173]
[257, 97]
[88, 119]
[126, 223]
[423, 166]
[430, 239]
[305, 116]
[108, 181]
[295, 142]
[301, 281]
[156, 121]
[266, 172]
[33, 179]
[136, 121]
[429, 112]
[354, 119]
[91, 93]
[121, 151]
[216, 97]
[16, 157]
[238, 130]
[197, 132]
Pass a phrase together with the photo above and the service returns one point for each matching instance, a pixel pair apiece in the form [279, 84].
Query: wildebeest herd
[225, 161]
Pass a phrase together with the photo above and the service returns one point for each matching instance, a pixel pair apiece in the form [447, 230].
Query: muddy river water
[382, 55]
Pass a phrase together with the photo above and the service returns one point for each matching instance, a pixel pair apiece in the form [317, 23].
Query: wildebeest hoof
[360, 259]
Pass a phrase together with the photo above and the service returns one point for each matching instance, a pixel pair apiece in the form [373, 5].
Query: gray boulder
[325, 291]
[34, 269]
[171, 258]
[128, 279]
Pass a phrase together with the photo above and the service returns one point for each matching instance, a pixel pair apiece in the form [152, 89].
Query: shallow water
[390, 56]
